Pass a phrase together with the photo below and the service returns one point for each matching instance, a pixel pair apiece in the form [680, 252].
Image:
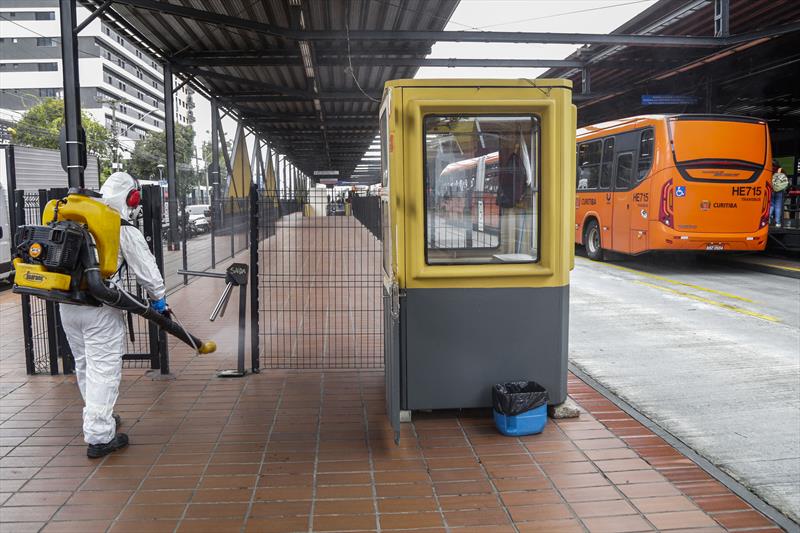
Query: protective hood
[115, 192]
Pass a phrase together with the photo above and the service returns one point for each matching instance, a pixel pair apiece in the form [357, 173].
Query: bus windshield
[707, 138]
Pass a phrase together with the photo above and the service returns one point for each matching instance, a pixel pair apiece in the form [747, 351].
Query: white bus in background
[30, 169]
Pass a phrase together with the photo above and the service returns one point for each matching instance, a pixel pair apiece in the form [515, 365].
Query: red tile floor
[312, 451]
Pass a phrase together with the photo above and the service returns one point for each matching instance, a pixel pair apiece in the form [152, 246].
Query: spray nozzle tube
[121, 299]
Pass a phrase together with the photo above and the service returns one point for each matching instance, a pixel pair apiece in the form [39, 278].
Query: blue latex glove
[159, 305]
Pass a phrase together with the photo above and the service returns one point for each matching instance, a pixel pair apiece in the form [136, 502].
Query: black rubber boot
[117, 421]
[95, 451]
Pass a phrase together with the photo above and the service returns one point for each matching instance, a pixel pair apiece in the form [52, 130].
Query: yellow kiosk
[478, 201]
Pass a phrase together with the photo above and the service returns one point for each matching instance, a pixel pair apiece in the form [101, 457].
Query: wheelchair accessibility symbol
[680, 191]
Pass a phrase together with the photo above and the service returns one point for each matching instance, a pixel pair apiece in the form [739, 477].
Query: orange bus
[673, 182]
[471, 186]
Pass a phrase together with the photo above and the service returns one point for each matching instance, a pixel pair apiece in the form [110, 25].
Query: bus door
[623, 182]
[621, 209]
[640, 194]
[604, 203]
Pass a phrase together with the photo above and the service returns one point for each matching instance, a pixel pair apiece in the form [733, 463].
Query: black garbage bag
[518, 397]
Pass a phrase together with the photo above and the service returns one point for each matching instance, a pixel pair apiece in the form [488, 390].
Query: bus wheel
[591, 240]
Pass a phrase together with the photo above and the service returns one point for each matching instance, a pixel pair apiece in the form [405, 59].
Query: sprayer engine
[56, 246]
[48, 262]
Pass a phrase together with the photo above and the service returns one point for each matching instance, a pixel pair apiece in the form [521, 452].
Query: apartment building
[121, 86]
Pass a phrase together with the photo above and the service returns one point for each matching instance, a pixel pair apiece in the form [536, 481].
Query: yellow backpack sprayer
[72, 257]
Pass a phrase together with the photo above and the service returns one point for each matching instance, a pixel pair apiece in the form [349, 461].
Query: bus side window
[608, 163]
[624, 174]
[588, 164]
[646, 143]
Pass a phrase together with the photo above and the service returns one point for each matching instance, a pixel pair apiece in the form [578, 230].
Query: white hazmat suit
[96, 335]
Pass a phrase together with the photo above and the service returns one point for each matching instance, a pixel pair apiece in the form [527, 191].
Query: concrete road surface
[710, 353]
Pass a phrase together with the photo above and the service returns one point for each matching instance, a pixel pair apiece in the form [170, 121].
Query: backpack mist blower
[72, 257]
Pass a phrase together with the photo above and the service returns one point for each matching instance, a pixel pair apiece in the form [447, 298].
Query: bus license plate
[714, 247]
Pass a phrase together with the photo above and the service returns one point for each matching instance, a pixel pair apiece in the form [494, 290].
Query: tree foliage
[223, 169]
[41, 124]
[151, 151]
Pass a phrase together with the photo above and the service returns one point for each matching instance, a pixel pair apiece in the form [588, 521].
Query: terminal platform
[295, 450]
[771, 264]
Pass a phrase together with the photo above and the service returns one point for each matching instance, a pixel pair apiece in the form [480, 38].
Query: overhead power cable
[565, 13]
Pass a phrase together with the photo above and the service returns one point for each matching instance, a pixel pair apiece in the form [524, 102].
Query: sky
[574, 16]
[577, 16]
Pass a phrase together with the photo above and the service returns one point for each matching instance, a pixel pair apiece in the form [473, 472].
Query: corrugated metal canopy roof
[302, 97]
[751, 78]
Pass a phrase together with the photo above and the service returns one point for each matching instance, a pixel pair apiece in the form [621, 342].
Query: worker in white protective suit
[96, 335]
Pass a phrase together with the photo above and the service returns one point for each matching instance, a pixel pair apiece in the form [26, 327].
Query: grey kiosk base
[234, 276]
[437, 371]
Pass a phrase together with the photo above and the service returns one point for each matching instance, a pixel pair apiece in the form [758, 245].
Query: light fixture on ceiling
[308, 64]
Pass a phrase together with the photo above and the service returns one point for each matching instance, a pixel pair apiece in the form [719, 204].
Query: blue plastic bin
[528, 423]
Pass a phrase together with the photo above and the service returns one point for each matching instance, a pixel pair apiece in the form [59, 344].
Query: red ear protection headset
[134, 197]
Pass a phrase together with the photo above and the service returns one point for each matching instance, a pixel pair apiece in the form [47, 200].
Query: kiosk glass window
[481, 189]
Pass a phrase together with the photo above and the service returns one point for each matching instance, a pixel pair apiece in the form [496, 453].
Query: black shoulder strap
[124, 264]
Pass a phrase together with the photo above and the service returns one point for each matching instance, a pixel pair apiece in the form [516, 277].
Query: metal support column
[262, 185]
[73, 137]
[229, 216]
[151, 200]
[255, 349]
[277, 169]
[722, 18]
[163, 346]
[216, 205]
[234, 208]
[255, 170]
[283, 175]
[184, 246]
[169, 130]
[586, 81]
[224, 146]
[278, 189]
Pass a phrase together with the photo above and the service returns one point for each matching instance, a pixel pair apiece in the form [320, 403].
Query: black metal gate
[319, 282]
